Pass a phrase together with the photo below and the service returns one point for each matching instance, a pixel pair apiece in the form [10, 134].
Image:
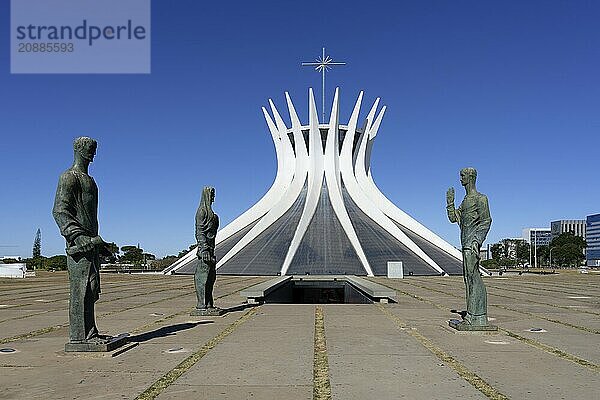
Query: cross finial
[322, 65]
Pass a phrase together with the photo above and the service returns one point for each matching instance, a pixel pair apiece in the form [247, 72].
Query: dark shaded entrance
[317, 292]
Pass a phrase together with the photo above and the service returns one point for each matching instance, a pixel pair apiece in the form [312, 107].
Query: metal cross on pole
[322, 64]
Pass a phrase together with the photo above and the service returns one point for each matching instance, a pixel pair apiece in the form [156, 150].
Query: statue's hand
[104, 251]
[206, 257]
[450, 196]
[84, 243]
[475, 246]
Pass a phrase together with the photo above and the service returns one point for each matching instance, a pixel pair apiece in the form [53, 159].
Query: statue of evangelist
[76, 214]
[473, 217]
[207, 223]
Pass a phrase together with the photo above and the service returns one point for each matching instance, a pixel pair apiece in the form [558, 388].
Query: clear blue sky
[511, 88]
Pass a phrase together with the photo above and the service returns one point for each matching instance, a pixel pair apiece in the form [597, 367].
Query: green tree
[510, 252]
[37, 244]
[568, 250]
[114, 250]
[37, 260]
[522, 252]
[31, 263]
[509, 262]
[148, 257]
[491, 263]
[164, 262]
[132, 255]
[184, 252]
[58, 262]
[11, 261]
[543, 255]
[497, 250]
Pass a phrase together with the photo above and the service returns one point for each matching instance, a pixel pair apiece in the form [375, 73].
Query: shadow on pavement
[241, 307]
[461, 313]
[164, 331]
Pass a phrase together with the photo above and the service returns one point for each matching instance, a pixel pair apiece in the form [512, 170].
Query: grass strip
[321, 384]
[553, 350]
[475, 380]
[179, 313]
[567, 324]
[49, 329]
[31, 334]
[99, 302]
[530, 314]
[167, 379]
[534, 343]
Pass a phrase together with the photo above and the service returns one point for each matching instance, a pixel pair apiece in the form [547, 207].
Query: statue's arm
[64, 210]
[453, 213]
[485, 220]
[199, 234]
[202, 251]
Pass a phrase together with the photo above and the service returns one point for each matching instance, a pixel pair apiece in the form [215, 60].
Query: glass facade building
[592, 228]
[537, 236]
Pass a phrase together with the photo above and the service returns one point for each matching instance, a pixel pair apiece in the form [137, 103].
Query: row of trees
[509, 253]
[170, 259]
[567, 250]
[133, 255]
[129, 255]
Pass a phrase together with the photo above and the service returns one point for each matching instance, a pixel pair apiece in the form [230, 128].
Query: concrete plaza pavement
[548, 346]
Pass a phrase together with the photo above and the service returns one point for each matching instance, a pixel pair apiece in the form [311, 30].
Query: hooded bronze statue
[207, 223]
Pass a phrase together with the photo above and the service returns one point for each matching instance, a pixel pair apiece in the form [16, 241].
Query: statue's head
[85, 147]
[208, 195]
[468, 175]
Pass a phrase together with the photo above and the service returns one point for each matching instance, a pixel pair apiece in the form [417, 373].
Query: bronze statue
[207, 223]
[76, 214]
[473, 217]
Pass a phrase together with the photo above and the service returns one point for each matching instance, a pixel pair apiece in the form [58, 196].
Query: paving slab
[507, 363]
[396, 377]
[228, 392]
[369, 357]
[269, 356]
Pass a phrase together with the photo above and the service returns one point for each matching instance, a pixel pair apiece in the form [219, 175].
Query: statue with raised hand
[76, 214]
[207, 223]
[473, 217]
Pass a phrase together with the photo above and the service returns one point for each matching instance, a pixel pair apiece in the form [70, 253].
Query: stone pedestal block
[464, 327]
[207, 312]
[106, 344]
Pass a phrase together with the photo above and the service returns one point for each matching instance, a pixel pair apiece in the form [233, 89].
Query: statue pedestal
[207, 312]
[463, 327]
[107, 345]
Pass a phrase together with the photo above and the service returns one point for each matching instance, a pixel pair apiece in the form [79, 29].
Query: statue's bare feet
[475, 320]
[99, 339]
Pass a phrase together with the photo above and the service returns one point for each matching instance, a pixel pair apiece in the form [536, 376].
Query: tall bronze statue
[207, 223]
[76, 214]
[473, 217]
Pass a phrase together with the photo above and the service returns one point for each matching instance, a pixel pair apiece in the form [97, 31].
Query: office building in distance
[575, 226]
[592, 232]
[537, 236]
